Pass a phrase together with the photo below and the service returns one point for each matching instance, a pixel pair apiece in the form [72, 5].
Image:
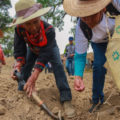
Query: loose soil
[15, 105]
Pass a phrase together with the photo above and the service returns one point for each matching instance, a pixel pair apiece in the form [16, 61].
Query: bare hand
[78, 83]
[17, 67]
[30, 85]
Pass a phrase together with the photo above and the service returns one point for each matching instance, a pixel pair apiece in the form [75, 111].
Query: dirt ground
[15, 105]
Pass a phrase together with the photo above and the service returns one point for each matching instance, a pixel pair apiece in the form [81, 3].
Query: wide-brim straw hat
[27, 10]
[83, 8]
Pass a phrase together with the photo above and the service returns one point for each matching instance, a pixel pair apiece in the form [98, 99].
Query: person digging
[92, 27]
[34, 46]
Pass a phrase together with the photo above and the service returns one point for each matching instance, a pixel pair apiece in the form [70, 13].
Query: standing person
[34, 46]
[92, 26]
[69, 56]
[2, 58]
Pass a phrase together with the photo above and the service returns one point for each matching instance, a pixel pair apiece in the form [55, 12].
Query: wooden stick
[97, 116]
[106, 102]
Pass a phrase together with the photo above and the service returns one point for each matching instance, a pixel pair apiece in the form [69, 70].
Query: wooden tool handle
[36, 98]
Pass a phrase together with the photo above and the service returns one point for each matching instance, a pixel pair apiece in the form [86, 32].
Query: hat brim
[21, 20]
[80, 8]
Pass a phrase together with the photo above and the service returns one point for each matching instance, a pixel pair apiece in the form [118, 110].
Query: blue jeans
[70, 66]
[58, 70]
[99, 71]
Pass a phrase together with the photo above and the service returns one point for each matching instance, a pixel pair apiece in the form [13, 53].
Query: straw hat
[82, 8]
[27, 10]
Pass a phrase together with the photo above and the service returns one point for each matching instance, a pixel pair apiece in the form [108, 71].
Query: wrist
[18, 65]
[35, 74]
[79, 77]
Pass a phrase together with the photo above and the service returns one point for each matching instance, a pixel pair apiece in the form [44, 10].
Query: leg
[98, 71]
[45, 70]
[67, 66]
[61, 80]
[30, 61]
[72, 66]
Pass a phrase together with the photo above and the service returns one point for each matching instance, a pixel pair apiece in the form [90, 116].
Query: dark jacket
[20, 45]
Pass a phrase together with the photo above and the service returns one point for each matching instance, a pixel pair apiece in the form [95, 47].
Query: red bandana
[39, 39]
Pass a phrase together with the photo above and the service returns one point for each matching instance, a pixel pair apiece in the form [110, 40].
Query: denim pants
[58, 70]
[99, 71]
[70, 66]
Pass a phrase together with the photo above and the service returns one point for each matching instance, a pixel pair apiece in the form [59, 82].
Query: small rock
[55, 110]
[2, 110]
[47, 84]
[52, 86]
[42, 113]
[53, 98]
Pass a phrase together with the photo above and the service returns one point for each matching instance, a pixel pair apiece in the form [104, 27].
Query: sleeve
[116, 4]
[80, 61]
[42, 60]
[81, 43]
[46, 51]
[65, 51]
[19, 47]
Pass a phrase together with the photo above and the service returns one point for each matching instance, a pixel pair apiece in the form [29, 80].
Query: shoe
[93, 107]
[68, 109]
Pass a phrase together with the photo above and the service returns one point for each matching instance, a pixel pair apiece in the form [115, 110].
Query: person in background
[2, 58]
[92, 27]
[69, 56]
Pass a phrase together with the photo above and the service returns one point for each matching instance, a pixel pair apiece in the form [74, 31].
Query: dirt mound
[15, 105]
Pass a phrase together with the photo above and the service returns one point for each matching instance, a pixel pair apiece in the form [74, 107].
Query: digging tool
[21, 84]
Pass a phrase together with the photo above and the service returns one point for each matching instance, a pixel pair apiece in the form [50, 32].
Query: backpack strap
[87, 31]
[112, 10]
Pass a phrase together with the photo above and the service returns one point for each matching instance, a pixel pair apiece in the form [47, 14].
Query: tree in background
[55, 17]
[4, 15]
[7, 42]
[5, 19]
[57, 14]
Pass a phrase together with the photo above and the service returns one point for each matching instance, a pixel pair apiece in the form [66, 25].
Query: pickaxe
[21, 83]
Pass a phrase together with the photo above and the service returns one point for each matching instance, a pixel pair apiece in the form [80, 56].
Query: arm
[19, 47]
[65, 53]
[116, 4]
[81, 45]
[45, 52]
[19, 52]
[41, 61]
[80, 61]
